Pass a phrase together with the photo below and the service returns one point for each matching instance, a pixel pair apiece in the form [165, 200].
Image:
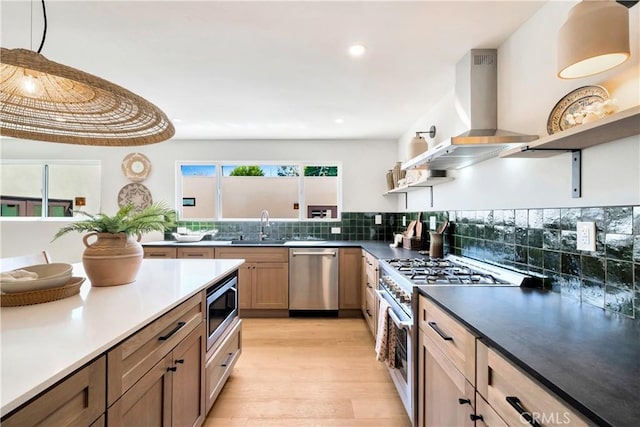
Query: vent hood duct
[476, 97]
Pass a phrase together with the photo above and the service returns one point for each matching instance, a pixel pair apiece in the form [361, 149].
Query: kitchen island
[44, 343]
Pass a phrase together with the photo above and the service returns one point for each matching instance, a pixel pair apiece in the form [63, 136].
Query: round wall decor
[135, 194]
[136, 167]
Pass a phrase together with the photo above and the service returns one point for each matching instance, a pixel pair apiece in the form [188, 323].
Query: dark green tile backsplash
[537, 241]
[543, 241]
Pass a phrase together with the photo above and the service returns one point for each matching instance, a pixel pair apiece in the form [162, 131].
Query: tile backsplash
[540, 241]
[543, 241]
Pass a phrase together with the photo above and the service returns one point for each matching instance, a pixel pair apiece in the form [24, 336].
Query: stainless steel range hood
[476, 98]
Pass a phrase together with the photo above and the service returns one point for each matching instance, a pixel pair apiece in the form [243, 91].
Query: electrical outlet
[335, 230]
[432, 222]
[586, 236]
[378, 219]
[404, 221]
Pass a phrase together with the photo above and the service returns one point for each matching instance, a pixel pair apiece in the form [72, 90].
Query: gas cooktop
[454, 270]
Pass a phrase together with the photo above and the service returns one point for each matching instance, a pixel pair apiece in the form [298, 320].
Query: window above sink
[290, 191]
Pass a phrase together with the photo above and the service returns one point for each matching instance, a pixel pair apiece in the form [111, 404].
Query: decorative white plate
[571, 103]
[135, 194]
[136, 167]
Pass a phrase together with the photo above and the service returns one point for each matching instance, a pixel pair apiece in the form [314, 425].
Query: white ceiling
[270, 69]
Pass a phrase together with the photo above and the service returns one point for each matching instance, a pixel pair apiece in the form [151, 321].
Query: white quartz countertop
[43, 343]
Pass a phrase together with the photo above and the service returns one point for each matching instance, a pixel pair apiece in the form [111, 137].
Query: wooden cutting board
[410, 230]
[419, 226]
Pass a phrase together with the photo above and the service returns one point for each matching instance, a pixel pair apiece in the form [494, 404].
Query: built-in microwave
[222, 307]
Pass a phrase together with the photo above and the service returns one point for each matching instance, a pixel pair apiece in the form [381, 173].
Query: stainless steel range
[397, 280]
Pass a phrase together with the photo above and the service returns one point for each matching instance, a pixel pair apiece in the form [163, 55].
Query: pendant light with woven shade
[47, 101]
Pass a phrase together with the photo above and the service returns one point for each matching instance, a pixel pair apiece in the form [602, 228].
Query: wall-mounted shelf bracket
[576, 174]
[576, 165]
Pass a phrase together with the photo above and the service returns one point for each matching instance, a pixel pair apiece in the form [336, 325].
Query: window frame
[45, 184]
[218, 196]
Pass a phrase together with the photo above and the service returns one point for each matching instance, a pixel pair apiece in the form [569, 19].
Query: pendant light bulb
[30, 85]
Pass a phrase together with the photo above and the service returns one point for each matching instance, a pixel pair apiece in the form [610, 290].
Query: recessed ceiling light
[357, 50]
[339, 121]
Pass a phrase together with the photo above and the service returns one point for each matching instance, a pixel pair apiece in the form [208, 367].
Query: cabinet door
[77, 400]
[245, 283]
[445, 397]
[188, 381]
[350, 277]
[270, 287]
[148, 402]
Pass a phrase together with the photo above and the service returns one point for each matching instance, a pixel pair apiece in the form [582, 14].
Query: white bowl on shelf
[51, 275]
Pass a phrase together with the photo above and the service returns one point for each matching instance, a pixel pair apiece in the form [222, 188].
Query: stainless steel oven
[222, 307]
[399, 331]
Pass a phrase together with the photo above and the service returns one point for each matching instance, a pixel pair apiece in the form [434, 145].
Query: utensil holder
[435, 245]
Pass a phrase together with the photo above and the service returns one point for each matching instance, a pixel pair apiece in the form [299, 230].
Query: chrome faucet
[264, 222]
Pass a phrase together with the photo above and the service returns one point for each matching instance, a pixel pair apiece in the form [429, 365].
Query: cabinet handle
[368, 312]
[515, 404]
[475, 417]
[172, 369]
[171, 332]
[435, 327]
[228, 360]
[181, 361]
[369, 286]
[464, 401]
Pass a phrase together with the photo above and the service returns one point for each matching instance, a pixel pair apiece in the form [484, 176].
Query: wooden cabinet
[133, 357]
[350, 278]
[369, 285]
[445, 397]
[196, 252]
[220, 361]
[446, 369]
[77, 400]
[160, 252]
[263, 281]
[170, 393]
[515, 397]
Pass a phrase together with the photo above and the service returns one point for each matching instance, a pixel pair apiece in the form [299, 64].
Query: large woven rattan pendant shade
[47, 101]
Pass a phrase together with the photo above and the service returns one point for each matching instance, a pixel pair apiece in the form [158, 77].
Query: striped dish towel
[382, 338]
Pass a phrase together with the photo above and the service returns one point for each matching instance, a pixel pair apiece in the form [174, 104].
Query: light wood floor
[308, 372]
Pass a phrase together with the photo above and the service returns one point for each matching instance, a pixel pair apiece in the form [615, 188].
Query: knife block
[413, 243]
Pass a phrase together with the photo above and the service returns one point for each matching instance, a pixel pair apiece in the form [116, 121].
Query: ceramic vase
[112, 259]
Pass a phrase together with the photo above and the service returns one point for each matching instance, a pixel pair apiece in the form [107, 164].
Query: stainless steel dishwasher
[313, 279]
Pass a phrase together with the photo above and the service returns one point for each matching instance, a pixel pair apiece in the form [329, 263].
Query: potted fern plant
[114, 258]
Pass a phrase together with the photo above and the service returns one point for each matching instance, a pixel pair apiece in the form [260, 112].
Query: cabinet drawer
[490, 418]
[371, 269]
[76, 400]
[510, 391]
[254, 254]
[136, 355]
[220, 364]
[450, 336]
[196, 253]
[160, 252]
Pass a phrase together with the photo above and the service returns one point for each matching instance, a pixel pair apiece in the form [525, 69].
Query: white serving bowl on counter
[49, 276]
[194, 236]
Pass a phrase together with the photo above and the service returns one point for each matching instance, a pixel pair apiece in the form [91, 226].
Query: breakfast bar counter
[43, 343]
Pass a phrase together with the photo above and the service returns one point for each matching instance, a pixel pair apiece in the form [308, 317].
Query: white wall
[527, 91]
[364, 163]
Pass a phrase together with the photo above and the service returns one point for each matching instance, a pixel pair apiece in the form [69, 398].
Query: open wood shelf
[428, 182]
[617, 126]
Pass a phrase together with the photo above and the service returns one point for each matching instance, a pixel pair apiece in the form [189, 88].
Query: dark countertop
[380, 250]
[588, 357]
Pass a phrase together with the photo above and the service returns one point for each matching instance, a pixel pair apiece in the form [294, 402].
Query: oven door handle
[402, 324]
